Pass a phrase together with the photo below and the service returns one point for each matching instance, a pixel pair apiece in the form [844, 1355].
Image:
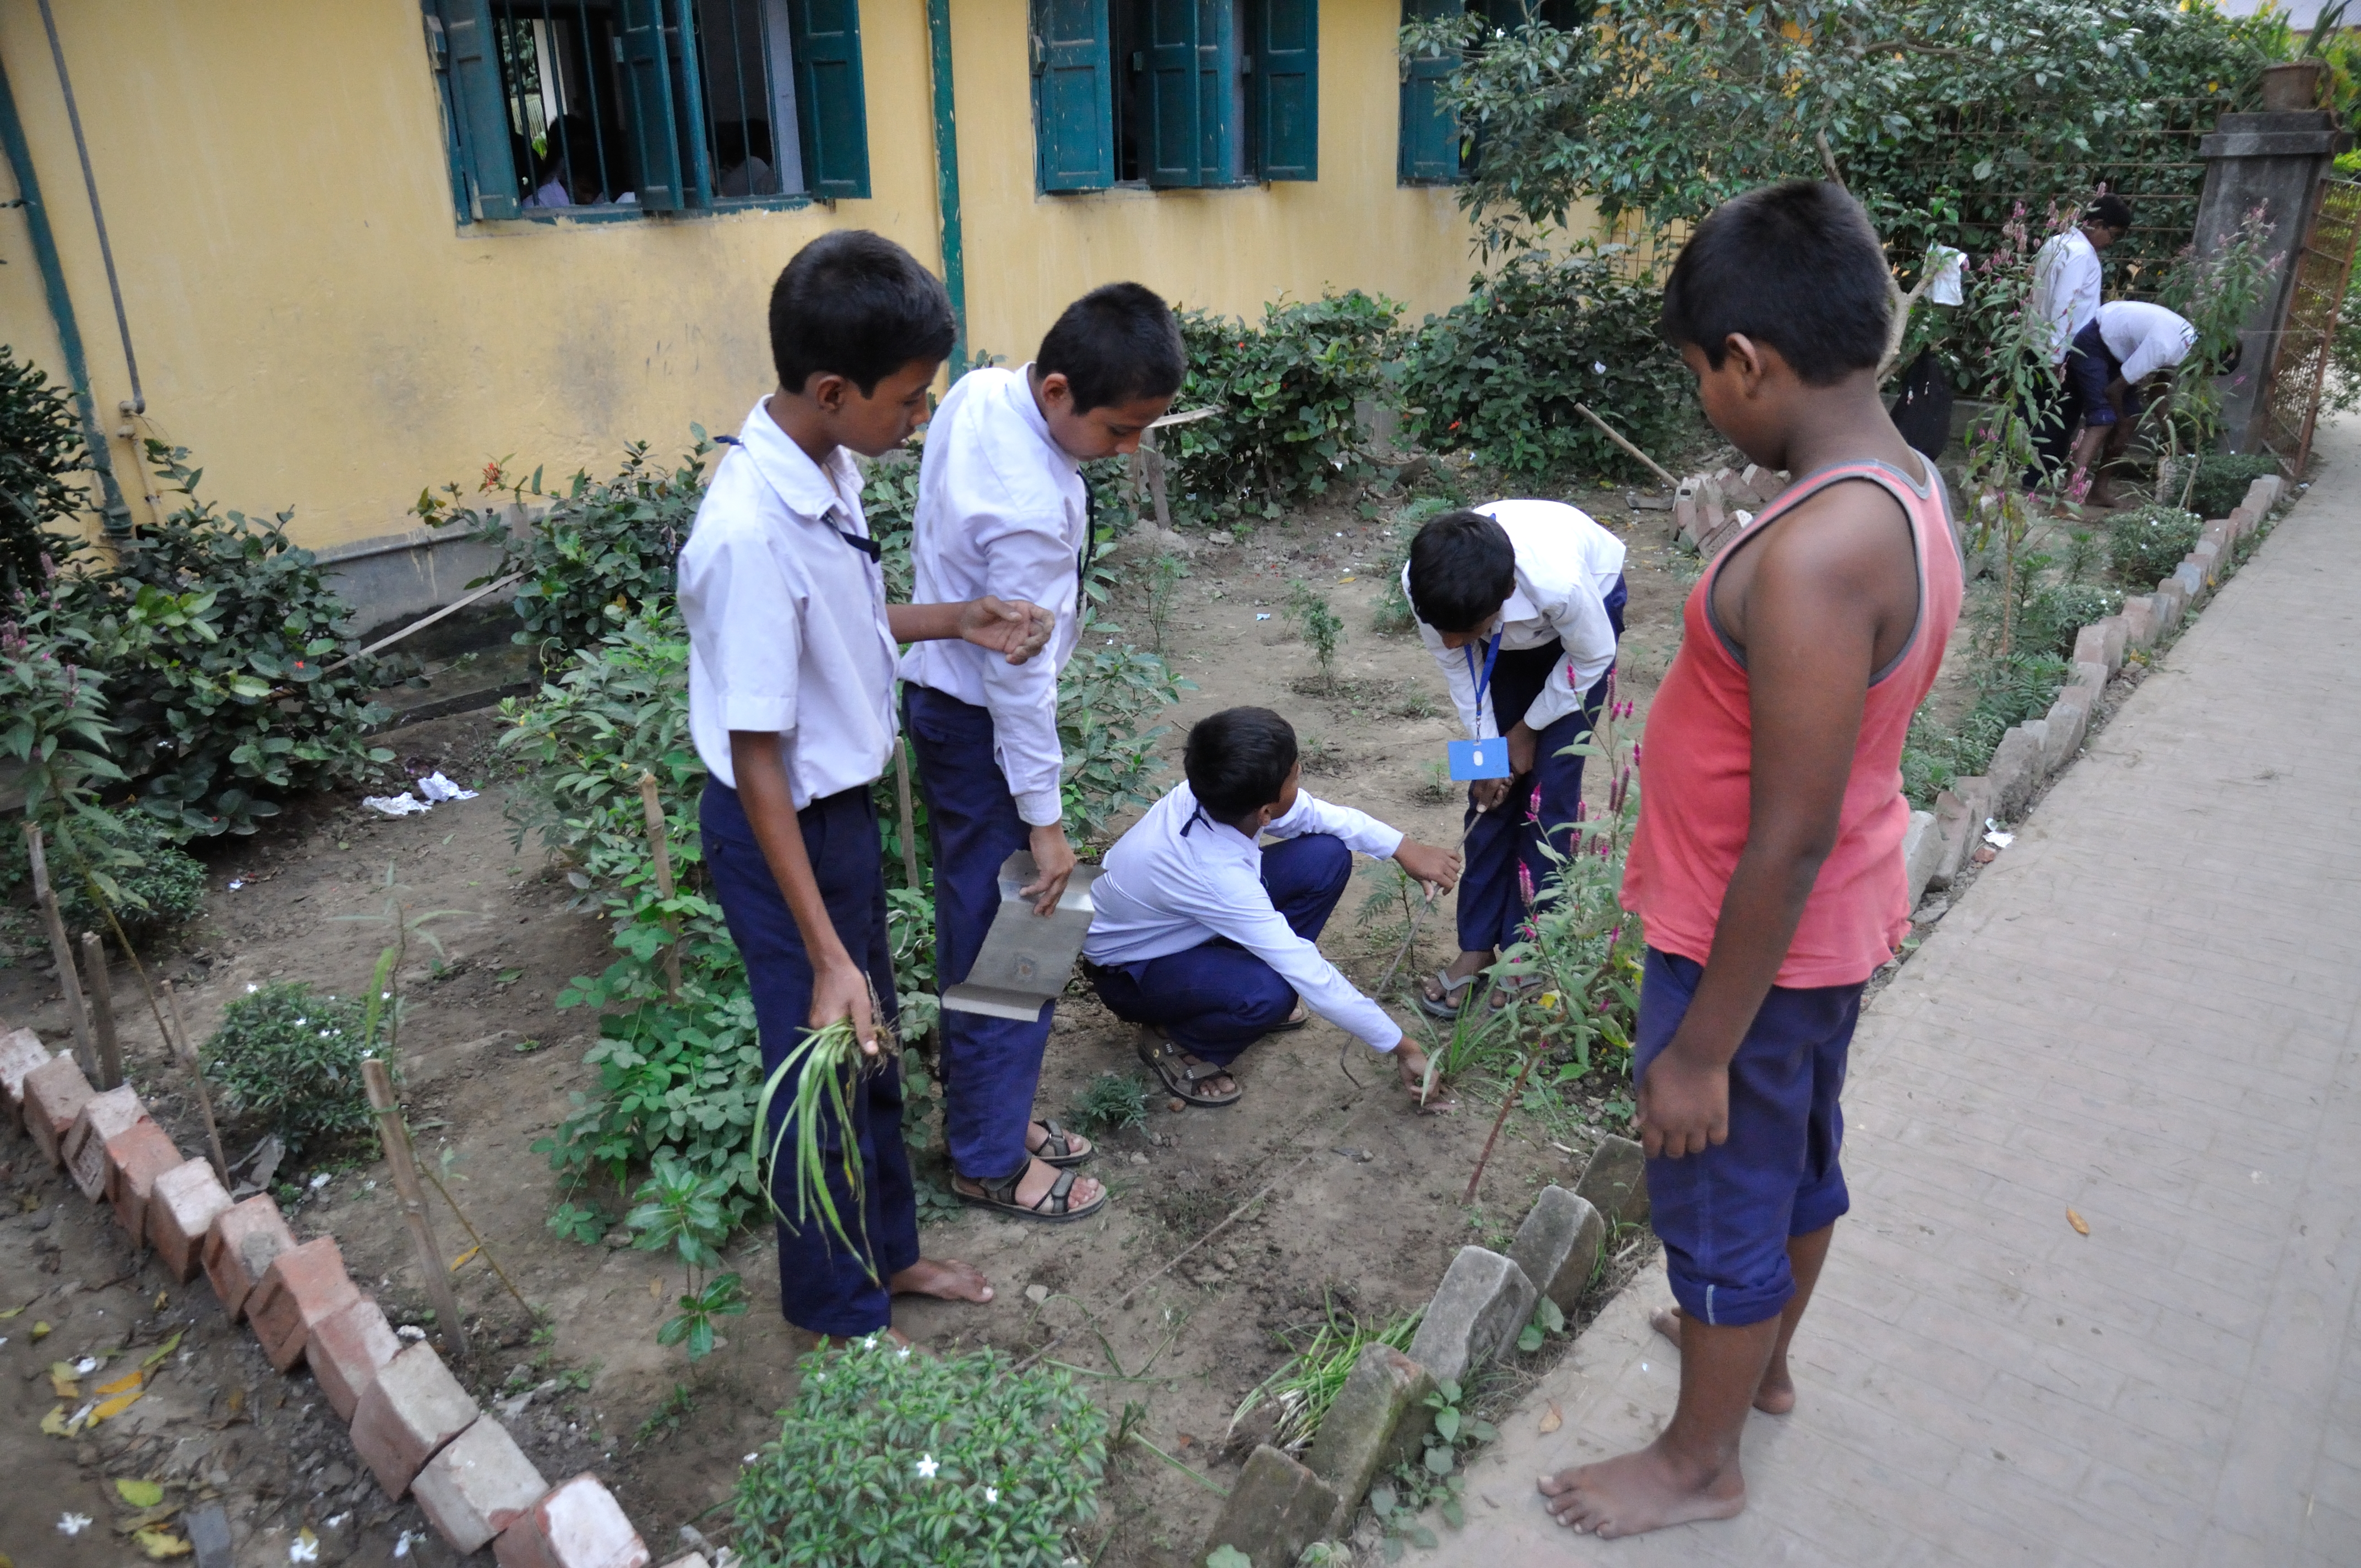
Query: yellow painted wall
[313, 324]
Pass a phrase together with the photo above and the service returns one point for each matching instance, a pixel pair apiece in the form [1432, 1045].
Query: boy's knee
[1326, 861]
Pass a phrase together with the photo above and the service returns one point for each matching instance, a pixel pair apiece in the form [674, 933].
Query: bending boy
[1003, 509]
[1207, 941]
[791, 709]
[1768, 860]
[2124, 343]
[1521, 603]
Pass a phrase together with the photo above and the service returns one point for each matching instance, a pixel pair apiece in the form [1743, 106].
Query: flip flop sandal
[1510, 988]
[1295, 1020]
[1449, 1004]
[1055, 1208]
[1058, 1148]
[1180, 1078]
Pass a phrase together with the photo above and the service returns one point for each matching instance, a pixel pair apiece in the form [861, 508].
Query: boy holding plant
[1767, 863]
[1004, 509]
[792, 648]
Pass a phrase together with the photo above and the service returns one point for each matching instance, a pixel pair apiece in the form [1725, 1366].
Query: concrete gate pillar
[2275, 162]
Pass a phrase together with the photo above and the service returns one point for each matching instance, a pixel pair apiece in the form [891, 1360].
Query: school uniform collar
[1219, 836]
[1019, 394]
[808, 490]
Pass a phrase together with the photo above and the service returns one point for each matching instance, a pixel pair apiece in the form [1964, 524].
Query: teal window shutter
[1430, 138]
[481, 107]
[1287, 89]
[1221, 100]
[1172, 95]
[1073, 101]
[688, 105]
[824, 37]
[649, 103]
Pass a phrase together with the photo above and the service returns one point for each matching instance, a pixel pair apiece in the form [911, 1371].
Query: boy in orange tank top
[1767, 864]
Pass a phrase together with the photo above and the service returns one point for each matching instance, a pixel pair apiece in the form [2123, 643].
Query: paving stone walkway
[2149, 1010]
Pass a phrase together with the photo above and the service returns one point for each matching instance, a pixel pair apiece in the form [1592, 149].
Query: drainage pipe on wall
[113, 514]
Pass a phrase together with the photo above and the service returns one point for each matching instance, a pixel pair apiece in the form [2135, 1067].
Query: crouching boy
[1521, 603]
[1768, 860]
[1208, 941]
[791, 709]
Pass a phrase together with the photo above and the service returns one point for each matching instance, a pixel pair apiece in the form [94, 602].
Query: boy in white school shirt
[1003, 509]
[1521, 603]
[1207, 940]
[791, 709]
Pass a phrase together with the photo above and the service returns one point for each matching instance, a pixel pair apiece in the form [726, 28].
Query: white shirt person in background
[2124, 343]
[2066, 296]
[1209, 942]
[1002, 502]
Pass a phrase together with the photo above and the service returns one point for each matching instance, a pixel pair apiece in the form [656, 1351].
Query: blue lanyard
[1484, 681]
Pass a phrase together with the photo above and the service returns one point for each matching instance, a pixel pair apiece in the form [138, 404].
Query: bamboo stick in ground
[60, 949]
[102, 1011]
[188, 1055]
[395, 1135]
[901, 793]
[660, 845]
[1614, 435]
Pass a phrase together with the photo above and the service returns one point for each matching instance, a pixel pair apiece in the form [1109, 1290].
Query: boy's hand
[1054, 858]
[1523, 748]
[1684, 1108]
[1437, 868]
[839, 990]
[1010, 627]
[1411, 1068]
[1487, 794]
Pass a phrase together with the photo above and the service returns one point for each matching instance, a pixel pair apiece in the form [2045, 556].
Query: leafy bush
[1111, 1102]
[2145, 543]
[1499, 373]
[160, 884]
[290, 1057]
[600, 543]
[1285, 392]
[1105, 696]
[2223, 478]
[889, 1456]
[41, 450]
[2008, 692]
[1323, 633]
[2054, 616]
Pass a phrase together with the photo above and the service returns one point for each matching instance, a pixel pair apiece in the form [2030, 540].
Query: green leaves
[289, 1058]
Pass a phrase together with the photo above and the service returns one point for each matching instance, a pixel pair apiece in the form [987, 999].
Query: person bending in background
[1209, 940]
[2126, 343]
[1521, 603]
[2065, 297]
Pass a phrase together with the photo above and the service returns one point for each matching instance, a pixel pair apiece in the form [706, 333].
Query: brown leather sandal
[1179, 1078]
[1056, 1206]
[1058, 1148]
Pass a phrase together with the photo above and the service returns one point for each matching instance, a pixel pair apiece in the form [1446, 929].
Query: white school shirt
[787, 616]
[2146, 338]
[1567, 565]
[1178, 879]
[1002, 510]
[2065, 289]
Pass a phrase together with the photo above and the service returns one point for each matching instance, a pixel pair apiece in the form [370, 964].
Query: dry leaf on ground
[1551, 1418]
[2081, 1226]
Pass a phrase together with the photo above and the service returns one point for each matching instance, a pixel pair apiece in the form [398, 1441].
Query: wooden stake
[188, 1053]
[1614, 435]
[395, 1137]
[660, 845]
[102, 1010]
[60, 949]
[909, 834]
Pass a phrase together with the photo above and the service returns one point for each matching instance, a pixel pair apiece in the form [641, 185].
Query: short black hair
[2109, 210]
[1237, 760]
[1462, 570]
[1116, 344]
[855, 304]
[1796, 266]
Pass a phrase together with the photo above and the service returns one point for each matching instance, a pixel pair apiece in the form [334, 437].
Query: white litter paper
[1998, 840]
[400, 805]
[436, 787]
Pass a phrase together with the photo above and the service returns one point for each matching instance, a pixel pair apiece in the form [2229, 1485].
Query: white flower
[904, 1353]
[927, 1468]
[73, 1524]
[1598, 368]
[992, 1494]
[869, 1343]
[749, 1459]
[301, 1022]
[251, 988]
[304, 1548]
[401, 1547]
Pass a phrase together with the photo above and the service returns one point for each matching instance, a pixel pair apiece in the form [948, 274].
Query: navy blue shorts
[2093, 367]
[1726, 1215]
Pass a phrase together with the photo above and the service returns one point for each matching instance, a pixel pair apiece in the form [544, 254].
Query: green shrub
[40, 451]
[291, 1058]
[2223, 478]
[1499, 373]
[893, 1457]
[2054, 616]
[2008, 692]
[1285, 392]
[1105, 698]
[1111, 1102]
[600, 543]
[2145, 543]
[1323, 633]
[165, 887]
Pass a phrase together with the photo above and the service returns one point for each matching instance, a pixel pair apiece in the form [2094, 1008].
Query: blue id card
[1480, 759]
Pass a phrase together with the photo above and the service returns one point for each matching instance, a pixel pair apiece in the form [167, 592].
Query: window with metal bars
[604, 108]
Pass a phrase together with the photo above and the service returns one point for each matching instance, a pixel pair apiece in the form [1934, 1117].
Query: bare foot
[946, 1279]
[1774, 1395]
[1639, 1492]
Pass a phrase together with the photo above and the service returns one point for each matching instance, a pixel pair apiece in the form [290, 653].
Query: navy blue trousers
[991, 1066]
[1216, 999]
[821, 1286]
[1507, 841]
[1726, 1215]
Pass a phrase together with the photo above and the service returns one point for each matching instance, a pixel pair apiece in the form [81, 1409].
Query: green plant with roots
[823, 1066]
[1320, 626]
[1320, 1357]
[955, 1460]
[289, 1059]
[682, 1210]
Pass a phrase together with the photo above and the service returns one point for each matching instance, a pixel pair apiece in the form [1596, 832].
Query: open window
[662, 105]
[1175, 94]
